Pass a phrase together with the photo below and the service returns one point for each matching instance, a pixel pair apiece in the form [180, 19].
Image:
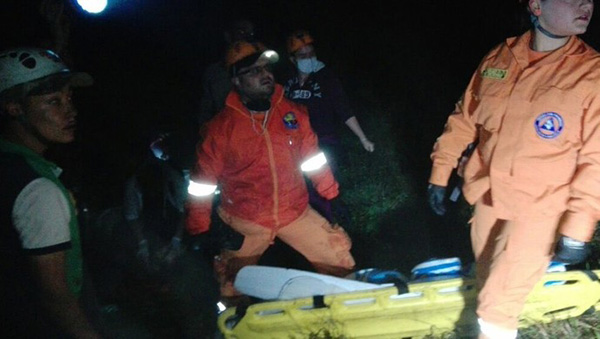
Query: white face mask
[309, 65]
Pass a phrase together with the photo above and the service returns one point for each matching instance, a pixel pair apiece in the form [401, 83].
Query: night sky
[147, 57]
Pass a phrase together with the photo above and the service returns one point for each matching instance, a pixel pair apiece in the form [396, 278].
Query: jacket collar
[519, 48]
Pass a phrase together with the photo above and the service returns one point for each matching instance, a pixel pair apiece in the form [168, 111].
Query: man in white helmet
[39, 241]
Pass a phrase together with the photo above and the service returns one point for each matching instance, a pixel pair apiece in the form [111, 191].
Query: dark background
[148, 56]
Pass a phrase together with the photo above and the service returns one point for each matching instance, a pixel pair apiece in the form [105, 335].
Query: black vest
[20, 311]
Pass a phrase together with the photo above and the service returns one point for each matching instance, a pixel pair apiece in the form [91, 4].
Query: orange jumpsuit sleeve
[208, 167]
[459, 132]
[583, 208]
[322, 179]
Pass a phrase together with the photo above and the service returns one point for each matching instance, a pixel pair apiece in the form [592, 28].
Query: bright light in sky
[92, 6]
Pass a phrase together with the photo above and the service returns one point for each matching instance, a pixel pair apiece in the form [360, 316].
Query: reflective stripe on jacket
[538, 127]
[258, 171]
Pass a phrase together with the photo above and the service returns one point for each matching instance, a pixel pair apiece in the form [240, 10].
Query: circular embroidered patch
[290, 121]
[549, 125]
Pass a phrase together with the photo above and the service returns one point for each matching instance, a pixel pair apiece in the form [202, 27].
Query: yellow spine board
[430, 308]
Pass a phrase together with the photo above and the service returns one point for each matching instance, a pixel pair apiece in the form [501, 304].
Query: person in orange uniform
[533, 105]
[257, 151]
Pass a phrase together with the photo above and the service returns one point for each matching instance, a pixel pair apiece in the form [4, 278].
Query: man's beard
[260, 101]
[258, 105]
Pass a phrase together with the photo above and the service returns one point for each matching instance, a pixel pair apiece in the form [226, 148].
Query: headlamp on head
[242, 54]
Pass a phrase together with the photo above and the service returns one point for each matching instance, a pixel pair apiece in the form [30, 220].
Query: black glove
[231, 239]
[341, 213]
[436, 195]
[570, 251]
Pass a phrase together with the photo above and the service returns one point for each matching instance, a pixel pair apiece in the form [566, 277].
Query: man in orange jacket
[256, 150]
[534, 107]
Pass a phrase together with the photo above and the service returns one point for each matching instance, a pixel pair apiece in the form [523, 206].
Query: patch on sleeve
[495, 73]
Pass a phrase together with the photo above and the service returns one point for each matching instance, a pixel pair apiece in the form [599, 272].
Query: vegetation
[373, 184]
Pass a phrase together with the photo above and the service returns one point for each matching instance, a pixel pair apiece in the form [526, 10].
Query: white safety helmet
[24, 65]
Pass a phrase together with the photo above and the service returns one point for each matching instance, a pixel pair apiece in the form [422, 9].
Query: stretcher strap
[401, 286]
[319, 301]
[591, 274]
[240, 311]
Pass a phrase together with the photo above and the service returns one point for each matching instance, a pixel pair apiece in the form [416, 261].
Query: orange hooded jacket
[538, 126]
[258, 170]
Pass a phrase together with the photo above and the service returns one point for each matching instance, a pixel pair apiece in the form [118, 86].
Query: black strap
[241, 310]
[401, 285]
[536, 23]
[591, 274]
[319, 301]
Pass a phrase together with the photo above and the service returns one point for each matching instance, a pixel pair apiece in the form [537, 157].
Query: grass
[584, 327]
[373, 184]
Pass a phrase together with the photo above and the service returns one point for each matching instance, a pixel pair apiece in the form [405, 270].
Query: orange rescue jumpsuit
[256, 159]
[536, 168]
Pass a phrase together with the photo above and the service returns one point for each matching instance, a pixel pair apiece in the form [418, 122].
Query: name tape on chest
[494, 73]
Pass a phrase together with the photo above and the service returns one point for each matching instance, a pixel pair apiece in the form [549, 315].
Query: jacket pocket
[490, 112]
[557, 116]
[551, 137]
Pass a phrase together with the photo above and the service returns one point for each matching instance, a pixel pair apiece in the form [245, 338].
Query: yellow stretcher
[429, 308]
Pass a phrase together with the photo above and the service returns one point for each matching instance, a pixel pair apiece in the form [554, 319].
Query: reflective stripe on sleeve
[314, 163]
[201, 190]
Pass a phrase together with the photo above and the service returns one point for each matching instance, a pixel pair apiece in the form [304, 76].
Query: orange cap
[243, 54]
[297, 40]
[240, 50]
